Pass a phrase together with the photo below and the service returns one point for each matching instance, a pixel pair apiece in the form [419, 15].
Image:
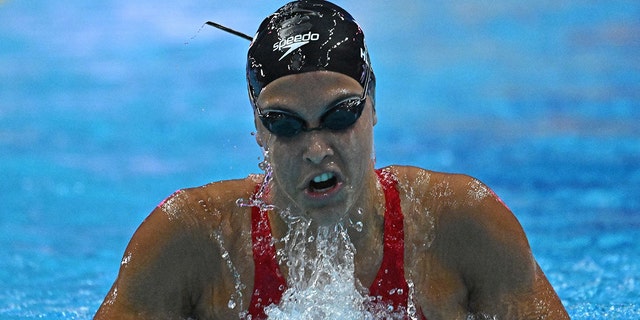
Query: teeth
[323, 177]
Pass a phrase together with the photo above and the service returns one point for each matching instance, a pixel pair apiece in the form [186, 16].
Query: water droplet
[231, 304]
[203, 204]
[310, 239]
[358, 226]
[263, 165]
[400, 291]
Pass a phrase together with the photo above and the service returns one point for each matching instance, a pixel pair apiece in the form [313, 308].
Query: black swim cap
[303, 36]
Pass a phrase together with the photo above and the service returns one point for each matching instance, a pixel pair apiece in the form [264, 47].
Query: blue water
[107, 107]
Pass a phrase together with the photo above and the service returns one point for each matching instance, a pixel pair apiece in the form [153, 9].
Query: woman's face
[320, 173]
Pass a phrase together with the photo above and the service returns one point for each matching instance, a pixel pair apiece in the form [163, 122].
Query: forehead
[309, 88]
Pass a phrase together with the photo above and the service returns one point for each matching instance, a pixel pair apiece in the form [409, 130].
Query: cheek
[361, 139]
[282, 159]
[356, 150]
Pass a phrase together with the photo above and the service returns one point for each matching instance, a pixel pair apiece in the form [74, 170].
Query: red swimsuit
[390, 286]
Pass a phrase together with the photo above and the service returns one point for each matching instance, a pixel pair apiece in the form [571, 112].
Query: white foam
[321, 278]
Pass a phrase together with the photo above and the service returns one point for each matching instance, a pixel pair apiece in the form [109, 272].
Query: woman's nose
[317, 149]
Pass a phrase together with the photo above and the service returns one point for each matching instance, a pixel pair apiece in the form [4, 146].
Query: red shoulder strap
[390, 285]
[268, 282]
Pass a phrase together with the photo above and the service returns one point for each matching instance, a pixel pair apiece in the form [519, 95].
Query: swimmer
[429, 245]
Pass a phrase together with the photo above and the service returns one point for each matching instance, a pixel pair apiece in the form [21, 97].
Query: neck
[368, 220]
[368, 241]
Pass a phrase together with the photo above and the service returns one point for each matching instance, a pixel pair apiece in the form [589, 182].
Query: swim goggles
[284, 123]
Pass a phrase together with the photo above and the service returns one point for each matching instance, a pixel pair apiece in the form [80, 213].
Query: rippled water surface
[108, 107]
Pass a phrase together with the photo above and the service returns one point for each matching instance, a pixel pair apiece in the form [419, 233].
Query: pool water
[108, 107]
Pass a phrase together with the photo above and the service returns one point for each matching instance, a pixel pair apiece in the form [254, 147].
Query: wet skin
[464, 250]
[296, 160]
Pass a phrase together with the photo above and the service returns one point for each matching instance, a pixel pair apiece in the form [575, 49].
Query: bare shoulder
[474, 233]
[471, 226]
[442, 193]
[198, 212]
[175, 252]
[211, 204]
[452, 197]
[463, 217]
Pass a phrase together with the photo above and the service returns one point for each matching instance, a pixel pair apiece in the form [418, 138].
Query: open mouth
[323, 182]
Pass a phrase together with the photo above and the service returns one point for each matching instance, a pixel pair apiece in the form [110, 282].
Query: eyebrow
[347, 96]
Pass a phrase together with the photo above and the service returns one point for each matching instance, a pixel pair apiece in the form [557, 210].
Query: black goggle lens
[340, 117]
[343, 116]
[282, 123]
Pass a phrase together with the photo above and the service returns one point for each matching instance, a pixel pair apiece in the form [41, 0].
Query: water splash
[321, 279]
[321, 282]
[236, 297]
[256, 200]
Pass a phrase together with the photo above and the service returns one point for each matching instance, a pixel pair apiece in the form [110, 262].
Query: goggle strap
[232, 31]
